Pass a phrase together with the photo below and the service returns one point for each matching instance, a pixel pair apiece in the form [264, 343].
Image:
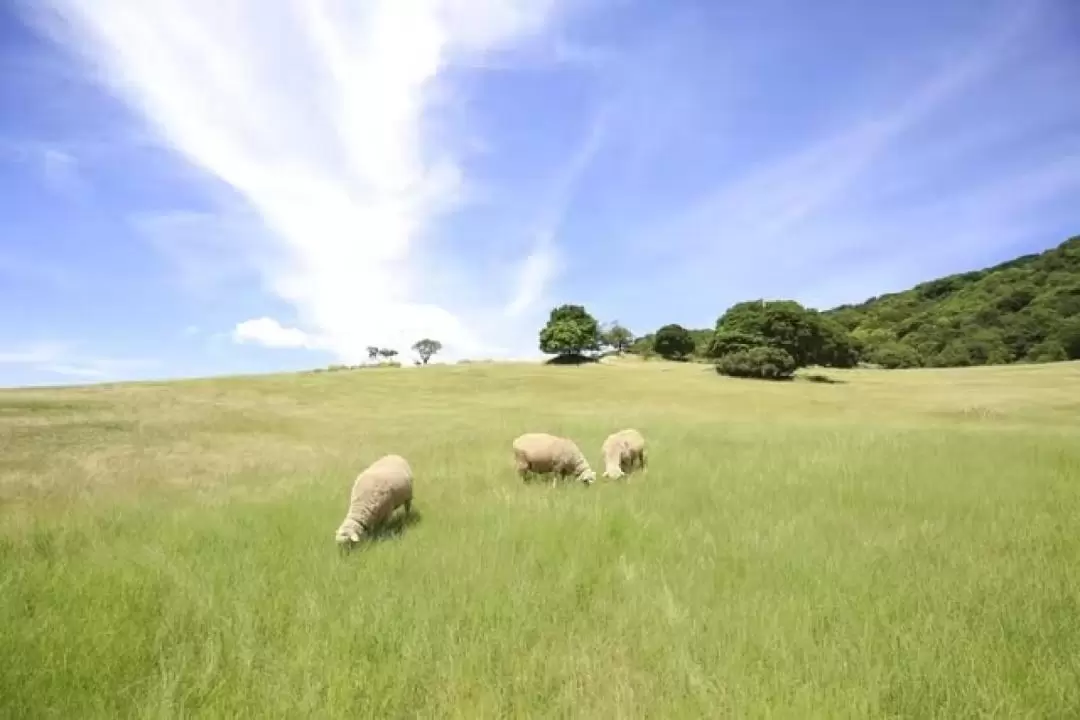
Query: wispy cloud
[17, 265]
[543, 262]
[827, 205]
[777, 196]
[56, 164]
[61, 358]
[314, 114]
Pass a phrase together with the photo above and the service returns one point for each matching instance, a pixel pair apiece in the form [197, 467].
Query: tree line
[425, 348]
[1025, 310]
[766, 339]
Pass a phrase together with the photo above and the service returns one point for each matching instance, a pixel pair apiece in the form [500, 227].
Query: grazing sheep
[622, 451]
[543, 453]
[383, 486]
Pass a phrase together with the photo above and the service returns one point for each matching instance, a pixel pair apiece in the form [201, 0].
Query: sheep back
[547, 453]
[623, 450]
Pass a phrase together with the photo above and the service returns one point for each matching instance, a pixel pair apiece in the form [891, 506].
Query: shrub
[763, 362]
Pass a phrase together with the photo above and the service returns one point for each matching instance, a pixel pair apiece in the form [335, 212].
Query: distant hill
[1027, 309]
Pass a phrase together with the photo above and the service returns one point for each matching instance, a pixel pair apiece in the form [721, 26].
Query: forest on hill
[1026, 309]
[1023, 310]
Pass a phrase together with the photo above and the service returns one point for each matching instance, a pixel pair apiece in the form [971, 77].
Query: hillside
[1027, 309]
[167, 548]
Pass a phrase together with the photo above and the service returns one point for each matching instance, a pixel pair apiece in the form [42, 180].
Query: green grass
[896, 544]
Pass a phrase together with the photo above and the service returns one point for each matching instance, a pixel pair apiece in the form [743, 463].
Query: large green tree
[673, 342]
[785, 324]
[570, 330]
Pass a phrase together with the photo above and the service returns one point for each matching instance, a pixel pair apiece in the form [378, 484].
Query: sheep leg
[408, 506]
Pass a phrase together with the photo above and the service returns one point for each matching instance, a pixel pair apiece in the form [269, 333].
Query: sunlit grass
[895, 544]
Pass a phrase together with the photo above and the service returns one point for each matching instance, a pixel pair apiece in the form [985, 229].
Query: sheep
[622, 451]
[544, 453]
[380, 489]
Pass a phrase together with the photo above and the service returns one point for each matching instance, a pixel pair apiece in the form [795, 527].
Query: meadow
[889, 544]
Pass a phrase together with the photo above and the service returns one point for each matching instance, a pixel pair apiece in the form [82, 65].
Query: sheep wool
[543, 453]
[623, 451]
[380, 489]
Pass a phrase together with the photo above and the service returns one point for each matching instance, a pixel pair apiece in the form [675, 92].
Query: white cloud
[269, 332]
[315, 114]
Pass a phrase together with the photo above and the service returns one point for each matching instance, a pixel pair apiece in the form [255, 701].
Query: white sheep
[380, 489]
[543, 453]
[623, 451]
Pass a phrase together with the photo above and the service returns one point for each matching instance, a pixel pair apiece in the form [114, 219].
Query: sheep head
[349, 532]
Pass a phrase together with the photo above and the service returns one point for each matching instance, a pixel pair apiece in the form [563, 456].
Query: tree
[387, 352]
[673, 342]
[372, 352]
[805, 335]
[426, 348]
[618, 337]
[838, 347]
[570, 330]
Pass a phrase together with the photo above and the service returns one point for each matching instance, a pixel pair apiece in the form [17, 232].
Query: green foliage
[763, 362]
[1069, 336]
[617, 337]
[1047, 351]
[805, 335]
[838, 348]
[893, 355]
[642, 345]
[725, 341]
[570, 331]
[673, 342]
[1027, 309]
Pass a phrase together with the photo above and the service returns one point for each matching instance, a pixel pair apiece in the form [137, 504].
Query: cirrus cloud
[316, 116]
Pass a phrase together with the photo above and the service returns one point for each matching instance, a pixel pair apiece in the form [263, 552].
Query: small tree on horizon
[426, 348]
[388, 353]
[372, 352]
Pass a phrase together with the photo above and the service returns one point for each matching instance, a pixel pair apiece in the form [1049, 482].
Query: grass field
[894, 544]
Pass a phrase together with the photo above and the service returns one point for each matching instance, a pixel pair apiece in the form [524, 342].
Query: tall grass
[895, 544]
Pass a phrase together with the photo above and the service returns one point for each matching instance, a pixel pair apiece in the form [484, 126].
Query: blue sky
[190, 187]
